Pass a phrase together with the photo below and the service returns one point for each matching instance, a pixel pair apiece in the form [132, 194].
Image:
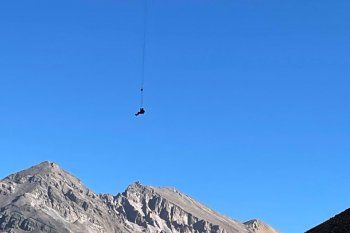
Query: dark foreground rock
[338, 224]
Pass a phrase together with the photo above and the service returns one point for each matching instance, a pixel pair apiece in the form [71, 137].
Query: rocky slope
[45, 198]
[338, 224]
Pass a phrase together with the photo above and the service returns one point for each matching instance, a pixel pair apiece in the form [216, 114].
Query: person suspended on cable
[140, 112]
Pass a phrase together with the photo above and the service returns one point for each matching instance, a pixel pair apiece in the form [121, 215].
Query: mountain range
[46, 198]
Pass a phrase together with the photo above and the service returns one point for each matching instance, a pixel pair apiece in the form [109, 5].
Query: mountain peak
[258, 226]
[46, 166]
[41, 168]
[44, 175]
[136, 184]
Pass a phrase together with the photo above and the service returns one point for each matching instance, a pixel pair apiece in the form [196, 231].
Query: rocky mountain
[338, 224]
[45, 198]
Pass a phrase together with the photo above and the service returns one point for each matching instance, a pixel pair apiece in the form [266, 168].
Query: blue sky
[247, 101]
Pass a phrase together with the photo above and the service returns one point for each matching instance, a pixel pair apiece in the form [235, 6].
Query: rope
[144, 50]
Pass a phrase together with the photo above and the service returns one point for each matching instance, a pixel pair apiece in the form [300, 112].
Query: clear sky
[247, 100]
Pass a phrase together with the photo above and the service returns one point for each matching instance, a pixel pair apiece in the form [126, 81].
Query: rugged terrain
[45, 198]
[338, 224]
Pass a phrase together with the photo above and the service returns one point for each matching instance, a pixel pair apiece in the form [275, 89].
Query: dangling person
[141, 112]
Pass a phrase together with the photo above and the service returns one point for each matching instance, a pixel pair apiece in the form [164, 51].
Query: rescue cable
[145, 16]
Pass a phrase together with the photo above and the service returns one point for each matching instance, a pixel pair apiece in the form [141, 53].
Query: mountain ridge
[46, 198]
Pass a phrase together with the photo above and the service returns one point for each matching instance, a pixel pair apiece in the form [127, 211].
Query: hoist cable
[145, 15]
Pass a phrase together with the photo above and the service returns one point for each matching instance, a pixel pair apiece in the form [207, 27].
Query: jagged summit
[45, 198]
[135, 185]
[258, 226]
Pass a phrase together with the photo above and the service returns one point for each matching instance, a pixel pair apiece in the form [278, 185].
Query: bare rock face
[171, 211]
[338, 224]
[45, 198]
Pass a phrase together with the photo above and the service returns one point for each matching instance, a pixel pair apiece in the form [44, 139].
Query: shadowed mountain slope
[338, 224]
